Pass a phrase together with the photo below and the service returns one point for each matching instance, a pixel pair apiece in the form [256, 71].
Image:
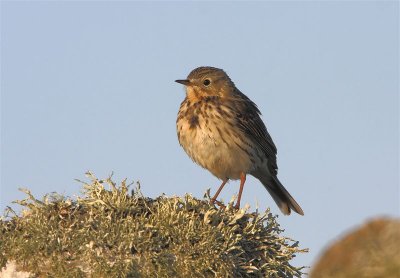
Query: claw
[213, 201]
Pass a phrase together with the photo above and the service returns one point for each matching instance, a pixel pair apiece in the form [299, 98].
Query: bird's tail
[281, 196]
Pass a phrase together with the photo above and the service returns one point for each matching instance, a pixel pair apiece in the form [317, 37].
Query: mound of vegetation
[116, 232]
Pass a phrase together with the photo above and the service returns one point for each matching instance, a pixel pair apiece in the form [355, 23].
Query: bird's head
[207, 81]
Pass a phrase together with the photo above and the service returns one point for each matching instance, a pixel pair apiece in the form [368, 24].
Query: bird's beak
[185, 82]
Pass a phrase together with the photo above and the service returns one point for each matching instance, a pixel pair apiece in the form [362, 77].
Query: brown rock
[373, 250]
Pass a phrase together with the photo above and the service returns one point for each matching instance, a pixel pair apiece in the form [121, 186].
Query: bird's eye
[206, 82]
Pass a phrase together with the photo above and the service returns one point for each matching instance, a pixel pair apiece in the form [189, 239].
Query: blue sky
[90, 86]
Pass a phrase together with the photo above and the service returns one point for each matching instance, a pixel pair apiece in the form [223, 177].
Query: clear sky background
[90, 86]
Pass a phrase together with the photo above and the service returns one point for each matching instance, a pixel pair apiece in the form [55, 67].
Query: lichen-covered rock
[119, 233]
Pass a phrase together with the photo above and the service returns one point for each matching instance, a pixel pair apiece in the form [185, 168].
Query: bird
[221, 129]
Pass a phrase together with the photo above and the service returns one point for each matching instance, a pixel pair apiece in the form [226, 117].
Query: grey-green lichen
[113, 231]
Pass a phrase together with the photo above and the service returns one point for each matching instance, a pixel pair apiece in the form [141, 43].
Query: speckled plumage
[221, 130]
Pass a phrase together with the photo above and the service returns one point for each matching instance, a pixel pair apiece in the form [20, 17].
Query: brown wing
[251, 124]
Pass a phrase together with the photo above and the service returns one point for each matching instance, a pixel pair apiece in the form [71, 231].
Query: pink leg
[213, 199]
[242, 181]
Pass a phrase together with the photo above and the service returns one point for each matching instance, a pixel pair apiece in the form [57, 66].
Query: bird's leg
[242, 181]
[214, 199]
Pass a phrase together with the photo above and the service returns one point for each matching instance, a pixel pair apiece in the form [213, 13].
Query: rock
[373, 250]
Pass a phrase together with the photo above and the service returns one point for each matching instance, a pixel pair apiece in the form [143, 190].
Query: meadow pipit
[221, 130]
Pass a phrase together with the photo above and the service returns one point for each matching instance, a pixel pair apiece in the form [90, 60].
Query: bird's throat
[194, 94]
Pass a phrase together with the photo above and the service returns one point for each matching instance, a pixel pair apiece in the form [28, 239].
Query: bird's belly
[222, 157]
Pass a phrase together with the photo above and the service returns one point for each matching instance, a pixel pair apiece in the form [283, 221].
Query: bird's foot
[237, 206]
[214, 201]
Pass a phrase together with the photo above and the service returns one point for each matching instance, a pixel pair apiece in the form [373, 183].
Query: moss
[117, 232]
